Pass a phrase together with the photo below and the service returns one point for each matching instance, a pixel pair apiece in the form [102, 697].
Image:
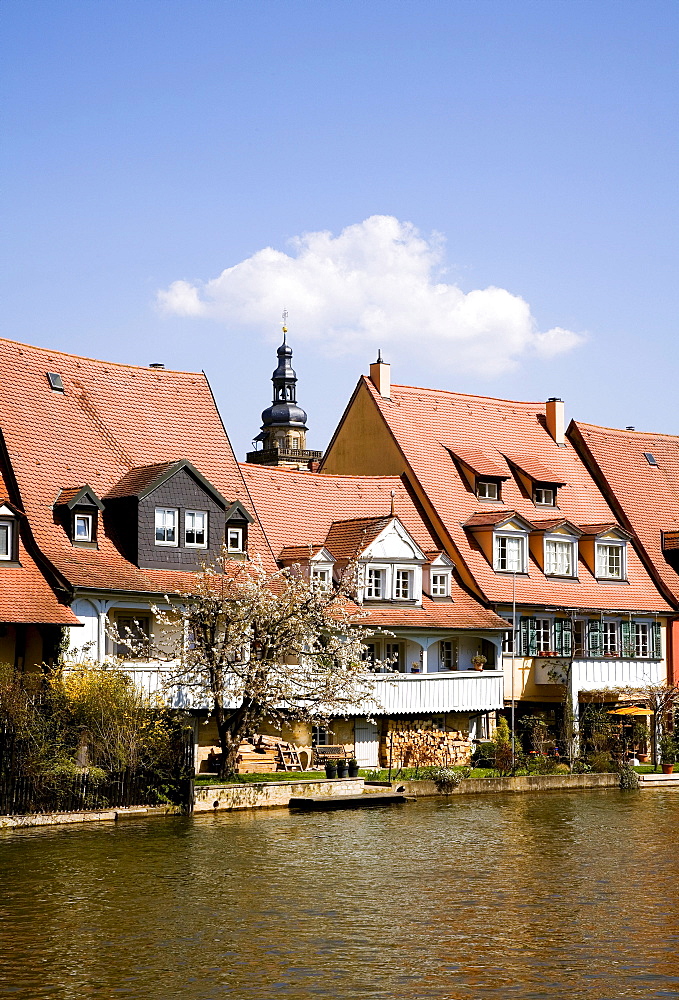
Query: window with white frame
[486, 490]
[320, 578]
[543, 635]
[642, 639]
[448, 654]
[508, 640]
[82, 527]
[195, 529]
[610, 560]
[510, 553]
[6, 540]
[374, 583]
[403, 586]
[166, 526]
[544, 496]
[234, 539]
[609, 638]
[559, 557]
[440, 584]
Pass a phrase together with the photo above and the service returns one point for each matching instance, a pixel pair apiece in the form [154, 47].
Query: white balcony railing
[415, 694]
[601, 673]
[395, 694]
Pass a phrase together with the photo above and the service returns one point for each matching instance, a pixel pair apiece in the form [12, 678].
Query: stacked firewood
[260, 755]
[426, 747]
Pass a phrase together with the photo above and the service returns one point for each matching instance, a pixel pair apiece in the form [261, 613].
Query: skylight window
[55, 381]
[650, 458]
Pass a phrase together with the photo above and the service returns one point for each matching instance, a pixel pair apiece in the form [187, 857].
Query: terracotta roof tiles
[110, 419]
[645, 496]
[421, 419]
[304, 506]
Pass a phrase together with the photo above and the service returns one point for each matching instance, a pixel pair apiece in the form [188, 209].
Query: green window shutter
[657, 644]
[558, 636]
[594, 637]
[566, 637]
[524, 641]
[532, 637]
[627, 638]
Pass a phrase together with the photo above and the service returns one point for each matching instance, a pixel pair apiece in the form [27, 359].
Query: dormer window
[195, 529]
[611, 560]
[83, 528]
[487, 489]
[374, 583]
[402, 585]
[510, 553]
[7, 536]
[440, 584]
[560, 557]
[320, 578]
[166, 526]
[234, 539]
[544, 496]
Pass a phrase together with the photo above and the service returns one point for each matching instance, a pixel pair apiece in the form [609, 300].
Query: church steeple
[283, 433]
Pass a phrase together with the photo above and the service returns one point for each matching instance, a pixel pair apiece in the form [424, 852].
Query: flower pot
[331, 770]
[667, 768]
[477, 666]
[642, 758]
[342, 770]
[353, 770]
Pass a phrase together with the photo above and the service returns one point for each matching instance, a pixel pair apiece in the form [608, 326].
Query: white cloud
[374, 285]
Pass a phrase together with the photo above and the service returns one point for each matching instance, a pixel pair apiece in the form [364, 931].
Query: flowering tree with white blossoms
[259, 645]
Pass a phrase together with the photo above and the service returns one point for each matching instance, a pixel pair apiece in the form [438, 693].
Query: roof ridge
[623, 430]
[98, 361]
[325, 476]
[463, 395]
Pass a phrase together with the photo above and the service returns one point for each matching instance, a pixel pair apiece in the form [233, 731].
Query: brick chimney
[380, 376]
[556, 422]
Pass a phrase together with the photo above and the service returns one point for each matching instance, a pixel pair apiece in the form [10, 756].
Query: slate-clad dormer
[169, 516]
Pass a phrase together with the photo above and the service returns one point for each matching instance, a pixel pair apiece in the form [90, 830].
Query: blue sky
[488, 191]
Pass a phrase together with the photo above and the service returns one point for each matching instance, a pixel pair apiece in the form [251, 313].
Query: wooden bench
[322, 755]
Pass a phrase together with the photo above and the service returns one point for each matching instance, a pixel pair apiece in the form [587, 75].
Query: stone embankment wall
[524, 783]
[264, 794]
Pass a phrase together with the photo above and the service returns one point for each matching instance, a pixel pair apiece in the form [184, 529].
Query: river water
[563, 895]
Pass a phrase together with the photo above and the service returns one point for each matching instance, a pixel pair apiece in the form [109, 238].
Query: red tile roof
[534, 469]
[25, 595]
[110, 419]
[348, 539]
[425, 421]
[645, 496]
[303, 506]
[479, 463]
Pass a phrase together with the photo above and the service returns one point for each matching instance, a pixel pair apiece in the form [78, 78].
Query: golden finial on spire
[285, 322]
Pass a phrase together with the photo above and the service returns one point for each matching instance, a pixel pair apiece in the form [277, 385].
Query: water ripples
[536, 897]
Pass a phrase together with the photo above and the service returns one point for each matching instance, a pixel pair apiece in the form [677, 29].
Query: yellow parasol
[630, 710]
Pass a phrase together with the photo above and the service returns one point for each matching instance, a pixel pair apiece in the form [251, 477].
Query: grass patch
[246, 779]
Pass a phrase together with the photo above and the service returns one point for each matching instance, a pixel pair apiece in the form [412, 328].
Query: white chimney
[556, 420]
[380, 376]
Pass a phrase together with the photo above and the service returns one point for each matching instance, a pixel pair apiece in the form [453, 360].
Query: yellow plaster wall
[363, 445]
[525, 688]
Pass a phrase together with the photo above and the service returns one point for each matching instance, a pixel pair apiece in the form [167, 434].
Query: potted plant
[478, 661]
[330, 769]
[667, 752]
[342, 769]
[353, 768]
